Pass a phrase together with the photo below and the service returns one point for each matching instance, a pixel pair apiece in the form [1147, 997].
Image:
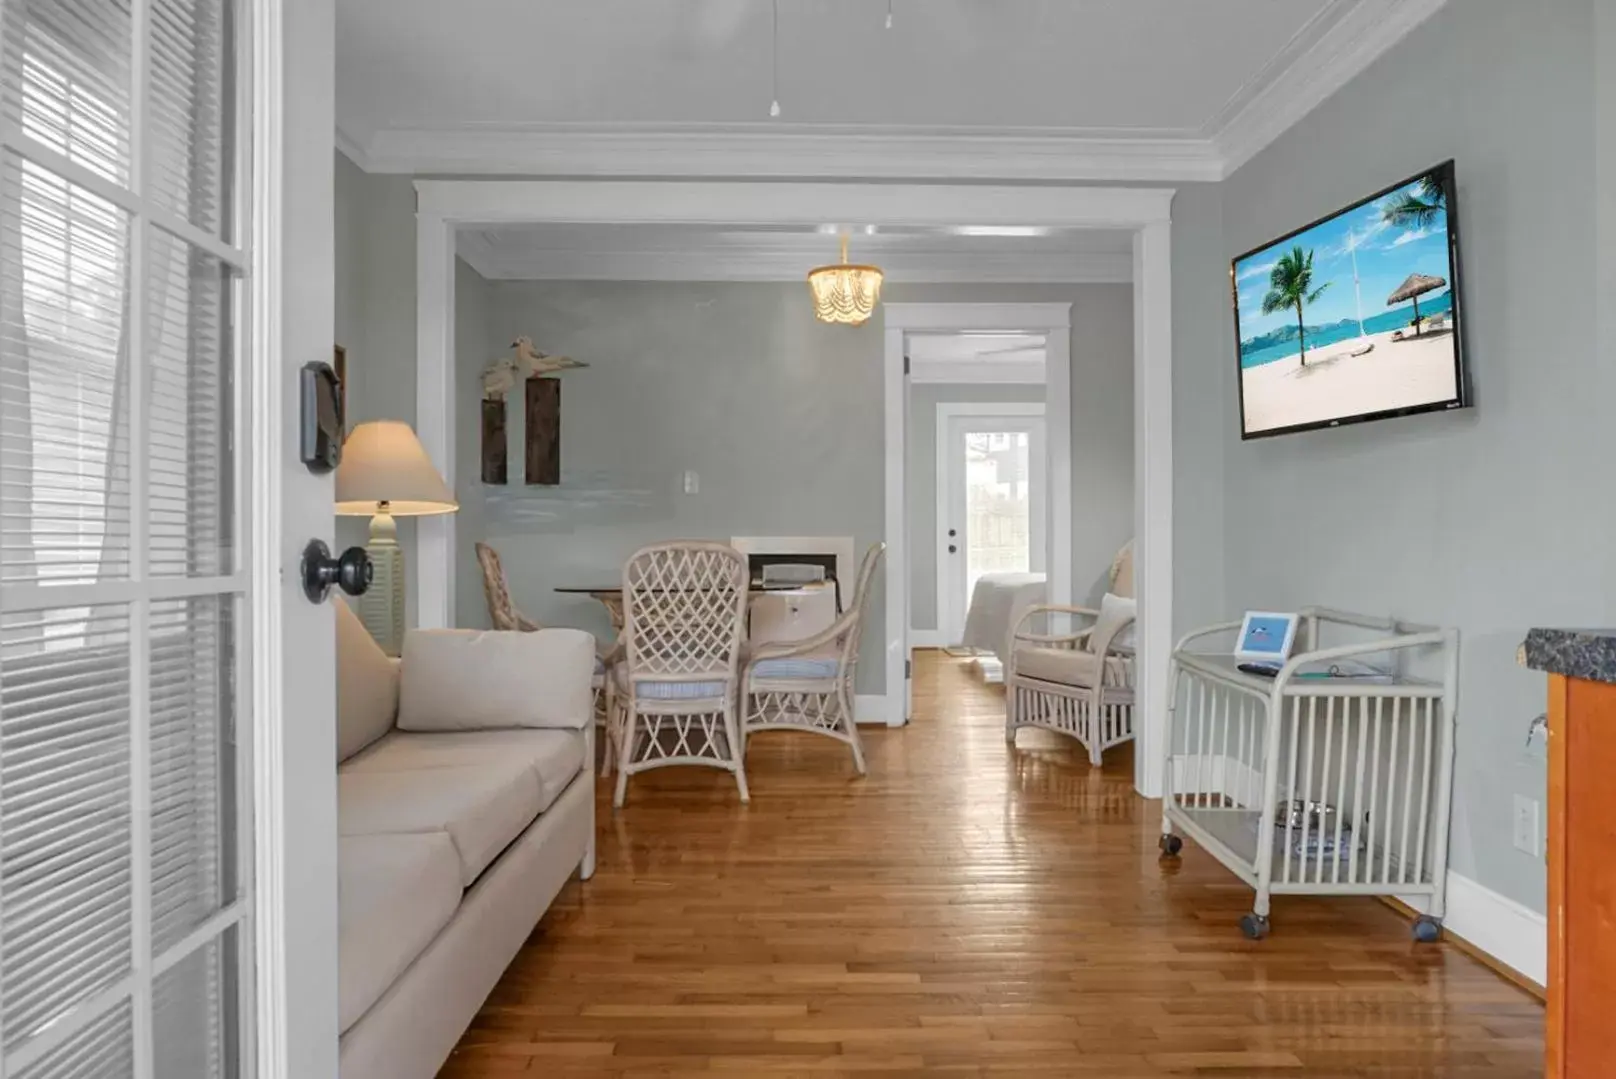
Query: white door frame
[1043, 553]
[445, 206]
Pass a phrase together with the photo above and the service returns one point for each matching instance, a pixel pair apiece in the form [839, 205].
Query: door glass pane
[998, 504]
[64, 380]
[64, 78]
[192, 123]
[66, 894]
[103, 1050]
[193, 765]
[190, 357]
[194, 1014]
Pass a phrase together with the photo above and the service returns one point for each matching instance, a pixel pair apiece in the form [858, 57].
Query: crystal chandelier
[846, 293]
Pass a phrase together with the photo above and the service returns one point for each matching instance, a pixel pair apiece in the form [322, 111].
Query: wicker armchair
[502, 614]
[674, 695]
[807, 685]
[1079, 683]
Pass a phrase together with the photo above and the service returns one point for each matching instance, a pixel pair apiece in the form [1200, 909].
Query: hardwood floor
[967, 909]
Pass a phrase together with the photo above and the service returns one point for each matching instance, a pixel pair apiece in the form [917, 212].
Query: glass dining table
[796, 595]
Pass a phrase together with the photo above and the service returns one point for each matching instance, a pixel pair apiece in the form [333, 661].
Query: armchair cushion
[462, 679]
[1068, 666]
[797, 668]
[1117, 614]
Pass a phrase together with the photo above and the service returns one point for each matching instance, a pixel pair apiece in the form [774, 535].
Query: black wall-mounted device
[320, 430]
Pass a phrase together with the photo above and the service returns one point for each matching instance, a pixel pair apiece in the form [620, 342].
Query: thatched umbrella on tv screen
[1417, 285]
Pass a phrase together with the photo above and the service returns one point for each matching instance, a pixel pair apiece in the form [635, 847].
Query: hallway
[967, 909]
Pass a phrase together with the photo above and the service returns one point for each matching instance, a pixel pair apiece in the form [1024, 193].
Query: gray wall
[375, 313]
[1493, 519]
[922, 482]
[780, 416]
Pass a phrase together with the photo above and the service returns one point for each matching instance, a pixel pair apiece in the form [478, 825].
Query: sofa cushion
[482, 807]
[394, 894]
[1070, 667]
[367, 686]
[554, 756]
[464, 680]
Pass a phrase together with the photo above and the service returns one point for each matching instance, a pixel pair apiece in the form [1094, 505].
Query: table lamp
[385, 473]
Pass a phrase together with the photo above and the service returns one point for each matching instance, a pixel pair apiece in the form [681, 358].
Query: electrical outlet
[1526, 826]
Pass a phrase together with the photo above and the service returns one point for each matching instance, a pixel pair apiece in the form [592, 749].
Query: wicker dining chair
[674, 691]
[807, 685]
[503, 615]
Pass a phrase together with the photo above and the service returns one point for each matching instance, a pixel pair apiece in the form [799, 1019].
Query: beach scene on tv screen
[1351, 317]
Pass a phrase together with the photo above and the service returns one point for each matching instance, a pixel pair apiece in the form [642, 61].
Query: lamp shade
[383, 461]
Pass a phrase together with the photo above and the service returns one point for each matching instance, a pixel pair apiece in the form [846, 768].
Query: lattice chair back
[684, 608]
[861, 601]
[502, 612]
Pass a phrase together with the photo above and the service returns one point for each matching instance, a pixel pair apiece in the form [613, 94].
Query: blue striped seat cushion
[679, 691]
[796, 668]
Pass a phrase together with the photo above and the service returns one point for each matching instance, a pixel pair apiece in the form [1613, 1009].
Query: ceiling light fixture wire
[774, 60]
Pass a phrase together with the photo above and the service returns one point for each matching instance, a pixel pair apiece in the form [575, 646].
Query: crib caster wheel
[1171, 845]
[1254, 926]
[1427, 930]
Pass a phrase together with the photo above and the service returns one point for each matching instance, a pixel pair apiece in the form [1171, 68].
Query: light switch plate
[1526, 825]
[692, 482]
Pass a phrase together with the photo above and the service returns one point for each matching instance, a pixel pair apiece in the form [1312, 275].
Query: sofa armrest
[461, 679]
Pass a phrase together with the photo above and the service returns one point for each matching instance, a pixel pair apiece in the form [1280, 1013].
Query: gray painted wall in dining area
[779, 415]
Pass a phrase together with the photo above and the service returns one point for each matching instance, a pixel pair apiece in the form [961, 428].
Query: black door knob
[952, 548]
[351, 571]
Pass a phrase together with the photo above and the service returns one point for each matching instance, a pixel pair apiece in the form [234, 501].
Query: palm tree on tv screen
[1418, 211]
[1291, 285]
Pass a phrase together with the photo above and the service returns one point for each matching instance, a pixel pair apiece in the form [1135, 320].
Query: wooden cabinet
[1581, 1022]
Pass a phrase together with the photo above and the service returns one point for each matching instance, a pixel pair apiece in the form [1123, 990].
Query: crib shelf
[1318, 786]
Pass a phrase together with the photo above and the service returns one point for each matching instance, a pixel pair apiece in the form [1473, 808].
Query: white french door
[125, 797]
[991, 496]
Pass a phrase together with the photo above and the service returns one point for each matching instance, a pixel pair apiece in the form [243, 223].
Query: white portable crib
[1309, 784]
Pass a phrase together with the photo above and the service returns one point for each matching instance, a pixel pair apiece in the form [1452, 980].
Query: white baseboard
[1515, 935]
[927, 638]
[870, 708]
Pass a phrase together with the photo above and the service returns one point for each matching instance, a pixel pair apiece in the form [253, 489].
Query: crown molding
[1317, 69]
[701, 260]
[1338, 43]
[353, 150]
[767, 151]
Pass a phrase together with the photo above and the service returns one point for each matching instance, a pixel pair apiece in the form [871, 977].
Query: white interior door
[130, 578]
[992, 492]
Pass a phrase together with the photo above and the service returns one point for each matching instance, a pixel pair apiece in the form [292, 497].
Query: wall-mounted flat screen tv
[1355, 317]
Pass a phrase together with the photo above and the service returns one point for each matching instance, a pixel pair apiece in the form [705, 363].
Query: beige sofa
[465, 801]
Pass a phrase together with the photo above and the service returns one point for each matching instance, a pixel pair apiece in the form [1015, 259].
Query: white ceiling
[621, 252]
[1077, 87]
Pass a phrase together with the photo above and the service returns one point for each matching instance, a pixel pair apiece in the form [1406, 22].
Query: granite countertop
[1575, 653]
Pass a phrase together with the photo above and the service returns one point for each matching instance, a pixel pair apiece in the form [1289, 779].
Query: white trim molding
[448, 206]
[777, 257]
[1358, 34]
[1020, 370]
[1513, 934]
[763, 151]
[1338, 43]
[1052, 322]
[870, 709]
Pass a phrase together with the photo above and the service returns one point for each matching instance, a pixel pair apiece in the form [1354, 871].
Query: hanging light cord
[889, 14]
[774, 61]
